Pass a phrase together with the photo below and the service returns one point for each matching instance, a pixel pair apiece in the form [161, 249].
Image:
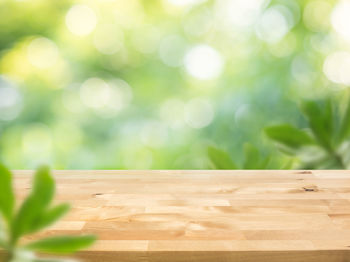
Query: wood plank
[205, 215]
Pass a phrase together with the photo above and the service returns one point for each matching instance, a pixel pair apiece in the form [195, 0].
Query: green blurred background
[139, 84]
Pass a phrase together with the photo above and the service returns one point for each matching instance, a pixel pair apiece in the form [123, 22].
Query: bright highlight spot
[316, 14]
[204, 62]
[273, 25]
[95, 93]
[340, 19]
[199, 113]
[42, 52]
[120, 97]
[106, 98]
[10, 100]
[81, 20]
[337, 67]
[239, 13]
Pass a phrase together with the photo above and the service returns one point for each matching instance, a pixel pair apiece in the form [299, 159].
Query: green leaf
[50, 216]
[62, 244]
[265, 162]
[344, 131]
[320, 117]
[220, 159]
[252, 157]
[7, 199]
[34, 206]
[288, 164]
[289, 136]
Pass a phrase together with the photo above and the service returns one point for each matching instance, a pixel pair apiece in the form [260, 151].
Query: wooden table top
[178, 216]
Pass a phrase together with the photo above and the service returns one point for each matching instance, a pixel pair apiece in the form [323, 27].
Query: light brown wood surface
[208, 216]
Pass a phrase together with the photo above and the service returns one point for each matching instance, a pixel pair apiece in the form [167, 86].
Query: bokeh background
[102, 84]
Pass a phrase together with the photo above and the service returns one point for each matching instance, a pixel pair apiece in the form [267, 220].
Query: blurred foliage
[325, 143]
[34, 214]
[140, 84]
[252, 159]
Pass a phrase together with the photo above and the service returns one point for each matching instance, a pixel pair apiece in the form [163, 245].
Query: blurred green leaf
[50, 216]
[62, 244]
[320, 117]
[35, 214]
[265, 163]
[289, 164]
[7, 199]
[289, 136]
[252, 157]
[34, 206]
[344, 131]
[220, 159]
[325, 162]
[328, 128]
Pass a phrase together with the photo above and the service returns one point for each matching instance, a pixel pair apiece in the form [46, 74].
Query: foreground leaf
[289, 164]
[22, 255]
[344, 131]
[220, 158]
[35, 205]
[289, 136]
[7, 199]
[252, 157]
[50, 216]
[62, 244]
[320, 119]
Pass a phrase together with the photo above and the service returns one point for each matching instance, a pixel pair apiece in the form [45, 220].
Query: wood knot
[304, 172]
[97, 194]
[311, 188]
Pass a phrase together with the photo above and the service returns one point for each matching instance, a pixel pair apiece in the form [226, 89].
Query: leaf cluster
[324, 143]
[34, 214]
[221, 159]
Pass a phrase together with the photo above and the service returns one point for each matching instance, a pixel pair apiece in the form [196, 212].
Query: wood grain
[206, 216]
